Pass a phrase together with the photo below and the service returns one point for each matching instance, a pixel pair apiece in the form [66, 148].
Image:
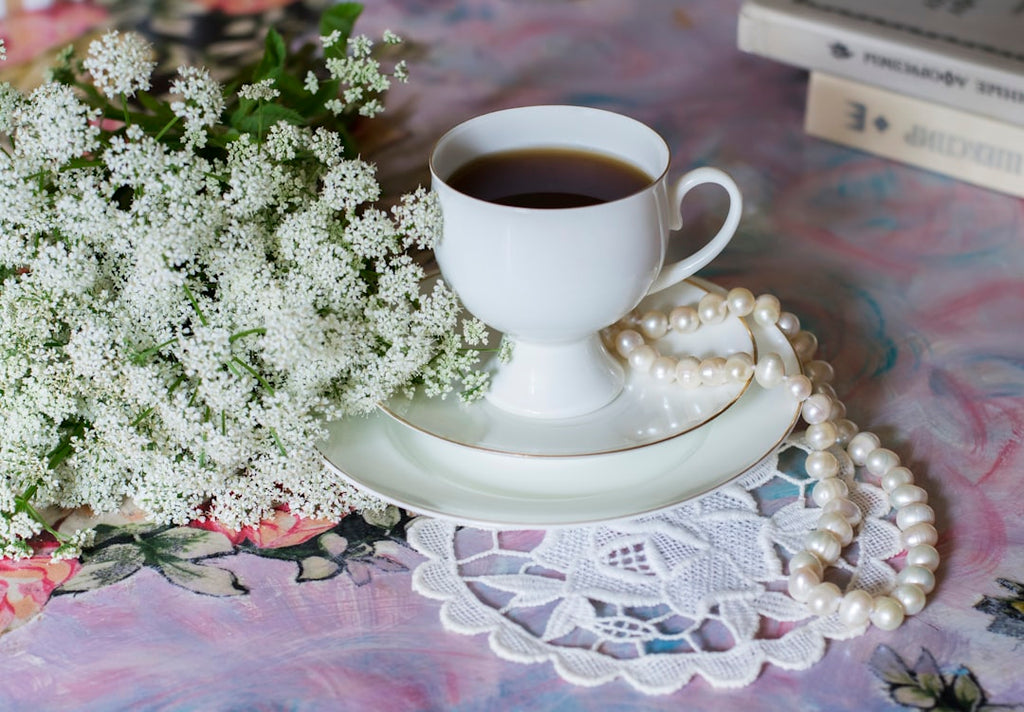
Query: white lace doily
[696, 589]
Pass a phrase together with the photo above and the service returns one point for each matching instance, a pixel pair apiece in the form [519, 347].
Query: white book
[962, 53]
[973, 148]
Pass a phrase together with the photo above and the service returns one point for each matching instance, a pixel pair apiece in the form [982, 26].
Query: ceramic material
[644, 413]
[551, 278]
[430, 475]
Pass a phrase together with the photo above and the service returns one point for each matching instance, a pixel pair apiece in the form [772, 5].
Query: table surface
[913, 282]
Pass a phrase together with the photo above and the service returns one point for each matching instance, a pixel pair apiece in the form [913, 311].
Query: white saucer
[434, 476]
[646, 411]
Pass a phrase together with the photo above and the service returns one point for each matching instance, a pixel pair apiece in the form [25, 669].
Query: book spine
[966, 146]
[873, 58]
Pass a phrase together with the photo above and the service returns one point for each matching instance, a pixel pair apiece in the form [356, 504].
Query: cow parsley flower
[181, 312]
[120, 64]
[53, 126]
[262, 90]
[362, 76]
[201, 103]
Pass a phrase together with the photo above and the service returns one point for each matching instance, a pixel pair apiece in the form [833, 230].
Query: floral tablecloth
[913, 283]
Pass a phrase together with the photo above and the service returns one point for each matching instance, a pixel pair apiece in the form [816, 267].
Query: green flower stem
[255, 374]
[174, 386]
[167, 127]
[277, 441]
[142, 356]
[142, 416]
[195, 304]
[23, 505]
[248, 332]
[124, 109]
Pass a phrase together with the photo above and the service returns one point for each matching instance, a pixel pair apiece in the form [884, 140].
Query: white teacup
[551, 279]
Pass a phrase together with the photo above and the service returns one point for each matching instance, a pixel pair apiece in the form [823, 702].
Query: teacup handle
[678, 271]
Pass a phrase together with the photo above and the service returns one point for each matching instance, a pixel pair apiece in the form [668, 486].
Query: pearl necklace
[830, 437]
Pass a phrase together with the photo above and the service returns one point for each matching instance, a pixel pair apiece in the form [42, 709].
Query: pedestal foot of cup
[556, 380]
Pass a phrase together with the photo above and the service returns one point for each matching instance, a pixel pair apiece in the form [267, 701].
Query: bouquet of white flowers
[192, 286]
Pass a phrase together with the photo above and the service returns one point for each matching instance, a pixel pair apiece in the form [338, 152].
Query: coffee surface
[548, 178]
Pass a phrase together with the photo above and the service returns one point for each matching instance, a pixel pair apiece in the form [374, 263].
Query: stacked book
[934, 83]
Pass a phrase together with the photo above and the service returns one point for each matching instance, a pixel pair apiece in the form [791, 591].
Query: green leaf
[967, 691]
[270, 114]
[208, 580]
[931, 682]
[890, 667]
[106, 534]
[341, 17]
[914, 697]
[275, 53]
[107, 566]
[189, 543]
[260, 121]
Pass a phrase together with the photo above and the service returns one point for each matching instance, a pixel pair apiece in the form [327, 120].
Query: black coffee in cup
[548, 178]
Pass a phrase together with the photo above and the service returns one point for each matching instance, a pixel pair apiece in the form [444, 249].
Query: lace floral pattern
[698, 589]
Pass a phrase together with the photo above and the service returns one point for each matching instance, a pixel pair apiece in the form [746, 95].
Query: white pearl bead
[862, 445]
[924, 555]
[881, 460]
[630, 321]
[896, 477]
[824, 545]
[663, 369]
[684, 319]
[770, 370]
[828, 489]
[805, 344]
[844, 507]
[838, 409]
[801, 582]
[799, 386]
[712, 308]
[838, 525]
[918, 534]
[821, 372]
[855, 608]
[816, 408]
[845, 463]
[739, 367]
[712, 371]
[688, 372]
[917, 575]
[806, 560]
[740, 300]
[789, 324]
[821, 464]
[914, 513]
[823, 599]
[911, 597]
[654, 324]
[642, 358]
[821, 436]
[767, 310]
[825, 388]
[887, 613]
[847, 429]
[627, 341]
[907, 494]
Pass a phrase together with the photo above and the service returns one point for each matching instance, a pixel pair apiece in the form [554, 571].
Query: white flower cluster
[360, 73]
[176, 327]
[120, 64]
